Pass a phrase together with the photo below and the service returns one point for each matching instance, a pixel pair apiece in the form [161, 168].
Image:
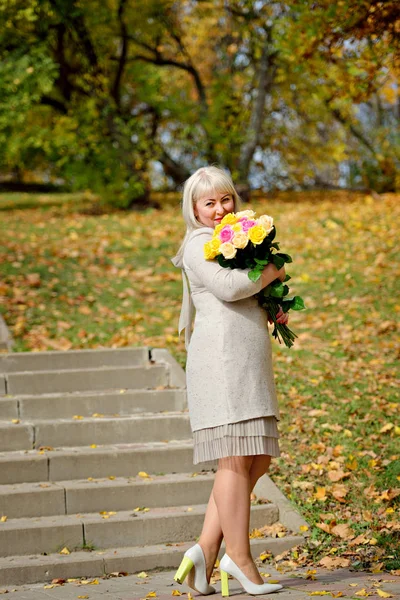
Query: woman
[230, 386]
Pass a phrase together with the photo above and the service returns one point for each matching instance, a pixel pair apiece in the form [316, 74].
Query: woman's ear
[196, 212]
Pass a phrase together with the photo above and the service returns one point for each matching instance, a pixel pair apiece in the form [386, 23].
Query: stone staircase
[96, 471]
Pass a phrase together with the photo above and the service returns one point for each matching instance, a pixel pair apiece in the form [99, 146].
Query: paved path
[341, 583]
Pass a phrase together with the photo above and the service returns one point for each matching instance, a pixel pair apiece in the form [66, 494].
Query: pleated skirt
[246, 438]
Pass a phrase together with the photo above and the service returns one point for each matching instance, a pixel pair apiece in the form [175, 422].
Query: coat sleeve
[228, 285]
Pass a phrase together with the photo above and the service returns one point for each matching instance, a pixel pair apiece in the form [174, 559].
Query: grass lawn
[74, 280]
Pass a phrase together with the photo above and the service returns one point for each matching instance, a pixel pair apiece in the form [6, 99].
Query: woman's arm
[228, 285]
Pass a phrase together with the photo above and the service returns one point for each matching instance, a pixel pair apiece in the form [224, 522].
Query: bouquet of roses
[243, 241]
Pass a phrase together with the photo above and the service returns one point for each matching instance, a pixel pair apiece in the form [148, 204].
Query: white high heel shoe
[228, 567]
[193, 565]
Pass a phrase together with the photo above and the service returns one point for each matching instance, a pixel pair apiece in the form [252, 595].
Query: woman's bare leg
[243, 472]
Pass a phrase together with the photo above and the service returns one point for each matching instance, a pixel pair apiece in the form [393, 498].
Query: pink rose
[226, 234]
[246, 224]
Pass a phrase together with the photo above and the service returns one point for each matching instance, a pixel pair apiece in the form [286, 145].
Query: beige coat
[229, 363]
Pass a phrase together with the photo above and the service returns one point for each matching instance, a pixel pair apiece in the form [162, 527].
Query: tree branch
[57, 104]
[115, 90]
[267, 71]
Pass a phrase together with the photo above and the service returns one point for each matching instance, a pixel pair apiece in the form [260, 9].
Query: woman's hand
[270, 273]
[281, 317]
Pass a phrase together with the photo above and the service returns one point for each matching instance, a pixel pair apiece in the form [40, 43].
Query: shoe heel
[224, 584]
[184, 568]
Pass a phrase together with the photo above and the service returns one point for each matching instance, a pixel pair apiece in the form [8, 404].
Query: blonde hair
[206, 180]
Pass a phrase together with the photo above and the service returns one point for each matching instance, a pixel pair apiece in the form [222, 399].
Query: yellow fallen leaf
[319, 593]
[189, 509]
[112, 477]
[151, 595]
[92, 446]
[303, 527]
[142, 575]
[143, 474]
[264, 555]
[176, 593]
[3, 519]
[15, 421]
[383, 594]
[273, 581]
[77, 417]
[265, 574]
[386, 428]
[48, 587]
[336, 594]
[320, 494]
[190, 597]
[362, 592]
[311, 574]
[65, 551]
[83, 597]
[94, 582]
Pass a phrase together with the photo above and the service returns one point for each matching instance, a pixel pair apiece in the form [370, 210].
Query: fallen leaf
[3, 519]
[383, 594]
[362, 593]
[65, 551]
[332, 562]
[325, 527]
[343, 531]
[319, 593]
[151, 595]
[143, 474]
[142, 575]
[176, 593]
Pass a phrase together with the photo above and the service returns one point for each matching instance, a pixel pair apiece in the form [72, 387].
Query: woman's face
[210, 209]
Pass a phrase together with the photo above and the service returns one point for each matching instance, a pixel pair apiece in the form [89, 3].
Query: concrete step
[73, 359]
[94, 430]
[8, 408]
[19, 570]
[90, 379]
[120, 402]
[116, 494]
[120, 460]
[125, 528]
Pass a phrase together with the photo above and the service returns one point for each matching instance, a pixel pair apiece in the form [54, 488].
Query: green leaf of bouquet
[263, 261]
[255, 274]
[278, 261]
[298, 303]
[287, 277]
[286, 257]
[277, 290]
[223, 261]
[272, 234]
[275, 245]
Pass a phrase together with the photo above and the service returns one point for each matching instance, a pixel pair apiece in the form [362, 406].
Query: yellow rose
[237, 227]
[209, 251]
[217, 229]
[227, 250]
[216, 243]
[250, 214]
[229, 219]
[240, 240]
[267, 222]
[256, 234]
